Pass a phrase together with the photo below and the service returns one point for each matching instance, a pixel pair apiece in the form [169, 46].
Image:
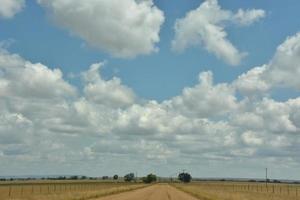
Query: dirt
[155, 192]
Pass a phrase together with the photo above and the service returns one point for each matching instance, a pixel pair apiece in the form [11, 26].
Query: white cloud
[266, 115]
[247, 17]
[251, 84]
[251, 138]
[9, 8]
[282, 71]
[110, 93]
[284, 68]
[124, 28]
[105, 123]
[23, 78]
[205, 99]
[204, 26]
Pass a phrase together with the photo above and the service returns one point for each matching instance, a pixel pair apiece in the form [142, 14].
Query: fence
[283, 189]
[15, 190]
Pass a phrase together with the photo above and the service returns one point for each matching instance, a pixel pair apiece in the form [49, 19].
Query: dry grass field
[241, 191]
[62, 190]
[84, 190]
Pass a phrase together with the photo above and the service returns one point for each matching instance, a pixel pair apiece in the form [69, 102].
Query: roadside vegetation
[240, 191]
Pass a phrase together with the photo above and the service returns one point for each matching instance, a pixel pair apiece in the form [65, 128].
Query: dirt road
[155, 192]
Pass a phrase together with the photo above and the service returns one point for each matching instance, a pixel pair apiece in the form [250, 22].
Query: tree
[185, 177]
[104, 177]
[116, 177]
[150, 178]
[129, 177]
[73, 177]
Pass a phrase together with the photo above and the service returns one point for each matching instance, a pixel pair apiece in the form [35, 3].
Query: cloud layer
[9, 8]
[45, 119]
[124, 28]
[205, 26]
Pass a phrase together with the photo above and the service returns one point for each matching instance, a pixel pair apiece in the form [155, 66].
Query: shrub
[185, 177]
[129, 177]
[150, 178]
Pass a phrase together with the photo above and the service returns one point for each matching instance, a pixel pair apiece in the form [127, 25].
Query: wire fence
[17, 190]
[282, 189]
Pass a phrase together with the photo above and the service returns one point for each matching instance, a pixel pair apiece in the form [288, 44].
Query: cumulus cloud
[251, 83]
[284, 68]
[124, 28]
[206, 99]
[247, 17]
[205, 26]
[105, 123]
[40, 81]
[281, 72]
[9, 8]
[96, 89]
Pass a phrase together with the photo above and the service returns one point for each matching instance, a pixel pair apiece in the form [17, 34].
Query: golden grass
[241, 191]
[63, 191]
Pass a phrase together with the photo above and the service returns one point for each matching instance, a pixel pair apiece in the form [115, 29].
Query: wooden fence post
[280, 189]
[9, 192]
[22, 191]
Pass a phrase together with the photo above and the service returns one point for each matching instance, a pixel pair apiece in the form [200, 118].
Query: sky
[103, 87]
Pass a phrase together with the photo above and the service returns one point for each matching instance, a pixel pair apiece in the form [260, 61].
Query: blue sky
[162, 103]
[39, 40]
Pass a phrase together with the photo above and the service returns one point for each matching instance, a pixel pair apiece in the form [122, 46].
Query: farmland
[62, 190]
[109, 190]
[241, 191]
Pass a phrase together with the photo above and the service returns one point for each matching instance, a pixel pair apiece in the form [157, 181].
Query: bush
[74, 177]
[150, 178]
[104, 177]
[116, 177]
[185, 177]
[129, 177]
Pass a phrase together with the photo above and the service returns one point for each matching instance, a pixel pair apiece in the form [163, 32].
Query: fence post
[280, 189]
[22, 191]
[9, 192]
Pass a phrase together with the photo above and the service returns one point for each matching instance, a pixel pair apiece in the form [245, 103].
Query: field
[241, 191]
[109, 190]
[62, 190]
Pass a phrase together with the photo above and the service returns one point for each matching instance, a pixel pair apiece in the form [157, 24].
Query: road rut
[155, 192]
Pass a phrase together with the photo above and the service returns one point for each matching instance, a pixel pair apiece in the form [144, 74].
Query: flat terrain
[63, 190]
[111, 190]
[155, 192]
[241, 191]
